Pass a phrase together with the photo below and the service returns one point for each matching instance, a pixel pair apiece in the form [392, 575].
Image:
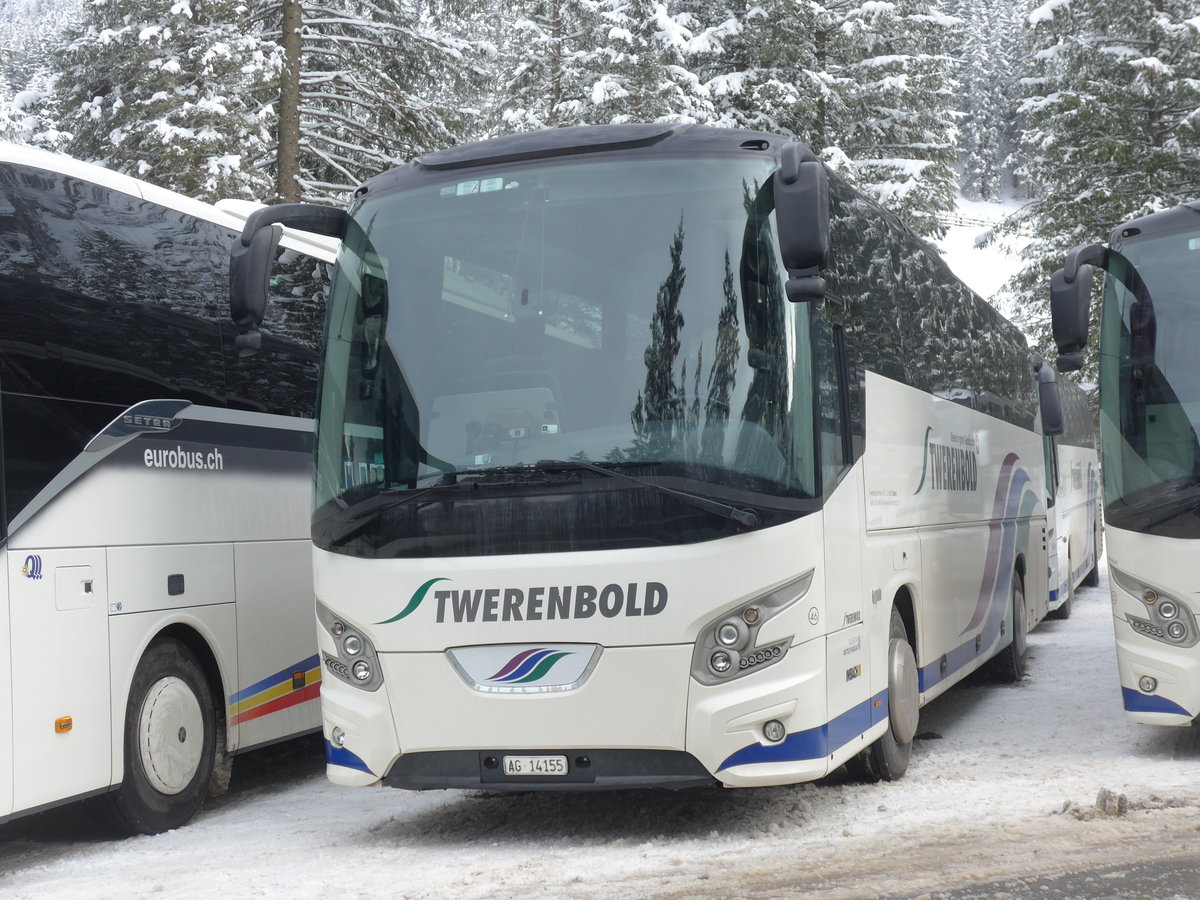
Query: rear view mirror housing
[1070, 303]
[253, 252]
[801, 187]
[1050, 402]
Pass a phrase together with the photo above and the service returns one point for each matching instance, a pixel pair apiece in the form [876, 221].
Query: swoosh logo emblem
[528, 666]
[414, 601]
[924, 462]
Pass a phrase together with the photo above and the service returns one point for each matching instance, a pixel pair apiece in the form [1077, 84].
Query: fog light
[337, 737]
[1168, 610]
[1147, 684]
[774, 731]
[352, 645]
[1176, 631]
[728, 634]
[720, 662]
[361, 670]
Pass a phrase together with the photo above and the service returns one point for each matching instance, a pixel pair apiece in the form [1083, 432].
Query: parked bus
[1073, 489]
[156, 617]
[1149, 415]
[632, 468]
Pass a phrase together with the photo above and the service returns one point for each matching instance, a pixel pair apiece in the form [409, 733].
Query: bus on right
[1150, 457]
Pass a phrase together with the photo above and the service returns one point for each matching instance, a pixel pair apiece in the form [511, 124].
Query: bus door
[60, 672]
[1057, 530]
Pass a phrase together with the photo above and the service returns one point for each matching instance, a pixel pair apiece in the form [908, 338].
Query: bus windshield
[1151, 385]
[501, 340]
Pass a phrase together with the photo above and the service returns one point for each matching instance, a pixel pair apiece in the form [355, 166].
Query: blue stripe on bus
[272, 680]
[340, 756]
[1136, 701]
[815, 743]
[960, 656]
[1053, 597]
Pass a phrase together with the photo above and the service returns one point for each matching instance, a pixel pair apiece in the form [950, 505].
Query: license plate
[540, 766]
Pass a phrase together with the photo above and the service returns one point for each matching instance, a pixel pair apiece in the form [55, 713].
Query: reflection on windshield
[627, 315]
[1151, 386]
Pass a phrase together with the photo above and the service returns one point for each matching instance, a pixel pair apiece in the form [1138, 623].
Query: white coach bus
[1073, 487]
[155, 618]
[1149, 416]
[636, 466]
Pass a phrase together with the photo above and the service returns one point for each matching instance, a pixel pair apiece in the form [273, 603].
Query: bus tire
[170, 740]
[1010, 664]
[887, 759]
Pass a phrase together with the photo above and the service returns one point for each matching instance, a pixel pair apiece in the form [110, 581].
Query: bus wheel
[169, 742]
[887, 759]
[1009, 665]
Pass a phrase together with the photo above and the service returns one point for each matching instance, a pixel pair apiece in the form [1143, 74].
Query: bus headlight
[354, 660]
[720, 662]
[1170, 620]
[728, 648]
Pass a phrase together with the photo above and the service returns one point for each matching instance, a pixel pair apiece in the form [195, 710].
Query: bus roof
[229, 213]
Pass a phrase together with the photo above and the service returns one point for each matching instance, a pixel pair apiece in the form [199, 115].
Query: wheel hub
[903, 691]
[170, 735]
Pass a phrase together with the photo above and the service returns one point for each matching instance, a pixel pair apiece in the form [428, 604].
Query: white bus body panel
[968, 488]
[6, 693]
[60, 661]
[1076, 510]
[1169, 566]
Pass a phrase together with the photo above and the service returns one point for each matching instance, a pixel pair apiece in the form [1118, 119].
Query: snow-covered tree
[762, 66]
[550, 56]
[987, 62]
[897, 127]
[378, 83]
[169, 90]
[28, 32]
[1112, 126]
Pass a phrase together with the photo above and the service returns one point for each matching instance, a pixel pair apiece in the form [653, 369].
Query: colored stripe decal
[312, 676]
[313, 662]
[815, 743]
[294, 698]
[513, 663]
[1139, 702]
[340, 756]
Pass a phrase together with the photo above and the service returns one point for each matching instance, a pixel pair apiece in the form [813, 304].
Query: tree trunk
[287, 187]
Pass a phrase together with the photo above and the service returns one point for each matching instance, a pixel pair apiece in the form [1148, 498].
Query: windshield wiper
[744, 516]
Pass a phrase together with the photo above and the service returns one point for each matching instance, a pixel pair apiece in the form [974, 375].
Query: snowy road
[1004, 783]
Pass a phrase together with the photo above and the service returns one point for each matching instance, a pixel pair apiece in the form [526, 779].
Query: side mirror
[801, 187]
[1069, 315]
[1050, 402]
[251, 256]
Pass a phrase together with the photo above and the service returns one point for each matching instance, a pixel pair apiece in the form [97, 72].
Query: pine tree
[897, 125]
[168, 90]
[988, 83]
[761, 72]
[379, 83]
[1112, 128]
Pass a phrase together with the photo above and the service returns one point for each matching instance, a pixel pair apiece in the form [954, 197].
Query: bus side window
[831, 424]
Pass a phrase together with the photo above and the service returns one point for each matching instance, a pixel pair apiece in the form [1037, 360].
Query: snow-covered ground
[1004, 781]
